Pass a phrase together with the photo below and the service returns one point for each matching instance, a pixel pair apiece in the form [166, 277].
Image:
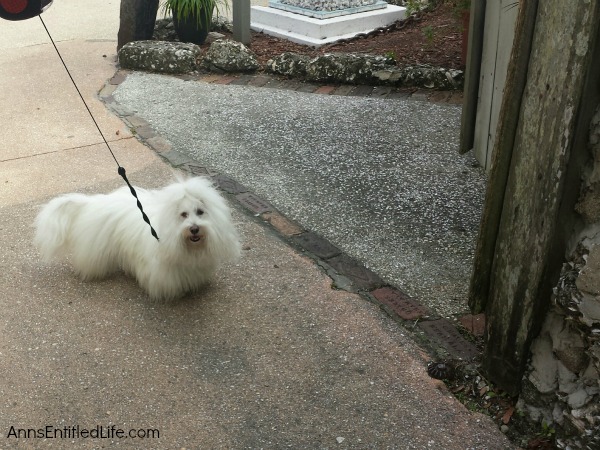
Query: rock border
[228, 56]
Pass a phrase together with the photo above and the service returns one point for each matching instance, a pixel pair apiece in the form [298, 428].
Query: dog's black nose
[194, 229]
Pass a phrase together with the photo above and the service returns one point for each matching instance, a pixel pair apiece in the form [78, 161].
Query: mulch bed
[431, 37]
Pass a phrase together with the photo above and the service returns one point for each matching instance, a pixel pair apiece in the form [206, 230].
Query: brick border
[346, 272]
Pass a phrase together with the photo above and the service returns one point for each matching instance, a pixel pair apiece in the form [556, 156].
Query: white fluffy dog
[105, 233]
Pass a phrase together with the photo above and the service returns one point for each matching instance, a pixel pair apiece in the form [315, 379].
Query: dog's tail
[54, 222]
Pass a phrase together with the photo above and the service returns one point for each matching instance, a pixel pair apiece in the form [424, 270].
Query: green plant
[547, 430]
[460, 8]
[463, 5]
[391, 56]
[412, 6]
[428, 33]
[185, 9]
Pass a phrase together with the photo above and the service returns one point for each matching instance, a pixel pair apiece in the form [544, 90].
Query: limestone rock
[589, 203]
[590, 308]
[221, 23]
[159, 56]
[164, 30]
[349, 68]
[544, 375]
[289, 64]
[579, 398]
[537, 405]
[569, 347]
[229, 56]
[356, 68]
[575, 360]
[589, 277]
[422, 76]
[567, 380]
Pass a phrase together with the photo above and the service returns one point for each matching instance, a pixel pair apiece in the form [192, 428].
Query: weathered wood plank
[519, 283]
[471, 90]
[500, 20]
[502, 154]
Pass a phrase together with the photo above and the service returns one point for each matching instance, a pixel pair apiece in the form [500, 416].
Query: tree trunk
[137, 20]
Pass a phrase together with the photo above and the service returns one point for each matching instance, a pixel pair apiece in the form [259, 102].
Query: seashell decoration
[440, 370]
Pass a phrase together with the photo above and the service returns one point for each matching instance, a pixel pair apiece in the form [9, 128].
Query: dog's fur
[105, 233]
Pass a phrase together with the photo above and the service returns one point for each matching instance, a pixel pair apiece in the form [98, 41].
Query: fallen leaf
[507, 415]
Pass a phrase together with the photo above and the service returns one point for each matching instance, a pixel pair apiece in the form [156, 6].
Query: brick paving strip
[346, 272]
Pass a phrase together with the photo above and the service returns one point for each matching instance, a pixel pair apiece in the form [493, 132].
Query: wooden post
[526, 258]
[502, 154]
[241, 21]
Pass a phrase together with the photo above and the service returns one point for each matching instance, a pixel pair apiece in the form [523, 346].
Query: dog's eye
[199, 212]
[184, 215]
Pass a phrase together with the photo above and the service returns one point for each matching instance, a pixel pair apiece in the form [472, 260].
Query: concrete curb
[438, 334]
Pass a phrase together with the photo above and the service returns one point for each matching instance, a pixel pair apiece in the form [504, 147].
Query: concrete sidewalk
[267, 356]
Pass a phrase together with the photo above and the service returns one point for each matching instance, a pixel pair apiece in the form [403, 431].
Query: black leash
[121, 170]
